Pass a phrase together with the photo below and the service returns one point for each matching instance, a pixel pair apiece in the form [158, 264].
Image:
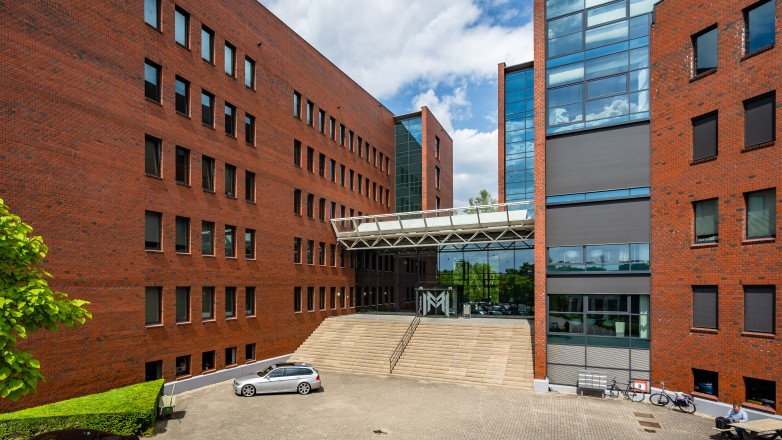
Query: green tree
[484, 198]
[27, 304]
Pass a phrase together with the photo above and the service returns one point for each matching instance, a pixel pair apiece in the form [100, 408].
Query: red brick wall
[430, 127]
[73, 126]
[677, 264]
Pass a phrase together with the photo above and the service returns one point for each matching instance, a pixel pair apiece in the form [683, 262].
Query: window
[249, 72]
[381, 162]
[297, 299]
[207, 108]
[705, 46]
[207, 173]
[182, 366]
[249, 129]
[230, 180]
[341, 295]
[704, 307]
[310, 160]
[207, 303]
[208, 361]
[249, 187]
[152, 226]
[342, 175]
[230, 302]
[704, 136]
[387, 163]
[230, 59]
[322, 298]
[759, 120]
[322, 165]
[230, 241]
[352, 291]
[350, 179]
[333, 210]
[310, 115]
[759, 309]
[310, 206]
[297, 250]
[322, 209]
[436, 202]
[759, 26]
[152, 147]
[706, 221]
[332, 129]
[613, 316]
[761, 392]
[705, 382]
[207, 238]
[333, 298]
[249, 244]
[230, 120]
[152, 81]
[310, 300]
[360, 180]
[182, 304]
[322, 253]
[321, 121]
[207, 44]
[297, 104]
[297, 153]
[154, 306]
[332, 255]
[183, 235]
[436, 147]
[181, 27]
[230, 356]
[358, 146]
[761, 213]
[437, 177]
[609, 257]
[351, 138]
[152, 13]
[153, 371]
[182, 90]
[374, 156]
[182, 174]
[297, 202]
[249, 302]
[342, 134]
[249, 352]
[310, 245]
[333, 170]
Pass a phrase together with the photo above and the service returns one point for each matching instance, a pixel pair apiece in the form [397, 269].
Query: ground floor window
[230, 356]
[249, 352]
[208, 361]
[617, 316]
[761, 392]
[183, 366]
[705, 381]
[153, 370]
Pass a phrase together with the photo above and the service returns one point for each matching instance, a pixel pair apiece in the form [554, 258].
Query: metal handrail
[400, 347]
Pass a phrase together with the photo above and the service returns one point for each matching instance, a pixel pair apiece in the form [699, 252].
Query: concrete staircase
[480, 351]
[477, 351]
[353, 343]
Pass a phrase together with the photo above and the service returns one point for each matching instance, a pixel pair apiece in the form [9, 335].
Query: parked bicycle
[683, 402]
[629, 392]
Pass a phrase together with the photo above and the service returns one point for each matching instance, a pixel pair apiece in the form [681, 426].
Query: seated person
[737, 415]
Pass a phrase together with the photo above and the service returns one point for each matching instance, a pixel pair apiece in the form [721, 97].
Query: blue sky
[438, 53]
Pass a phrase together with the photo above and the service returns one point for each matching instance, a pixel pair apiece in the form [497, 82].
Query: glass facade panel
[408, 165]
[606, 14]
[599, 258]
[760, 26]
[519, 138]
[608, 320]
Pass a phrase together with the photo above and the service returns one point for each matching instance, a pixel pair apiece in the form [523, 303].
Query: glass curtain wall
[603, 320]
[408, 165]
[519, 136]
[597, 63]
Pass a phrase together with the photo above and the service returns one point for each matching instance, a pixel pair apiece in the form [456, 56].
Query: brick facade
[678, 263]
[74, 125]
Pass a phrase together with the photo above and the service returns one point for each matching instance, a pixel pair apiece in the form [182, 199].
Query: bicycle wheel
[659, 399]
[689, 409]
[635, 395]
[612, 392]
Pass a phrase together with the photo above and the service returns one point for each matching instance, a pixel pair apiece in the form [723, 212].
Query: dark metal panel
[612, 158]
[599, 284]
[598, 223]
[704, 136]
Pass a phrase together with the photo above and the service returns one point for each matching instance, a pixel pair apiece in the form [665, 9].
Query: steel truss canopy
[452, 228]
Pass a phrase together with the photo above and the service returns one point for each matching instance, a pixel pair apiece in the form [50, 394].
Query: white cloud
[385, 45]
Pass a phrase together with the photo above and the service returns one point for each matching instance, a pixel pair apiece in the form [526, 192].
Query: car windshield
[263, 373]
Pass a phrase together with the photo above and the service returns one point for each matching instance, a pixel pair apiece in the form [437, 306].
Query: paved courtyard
[352, 406]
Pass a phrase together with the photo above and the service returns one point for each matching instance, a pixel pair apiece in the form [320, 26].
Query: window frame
[695, 73]
[157, 156]
[208, 112]
[182, 166]
[761, 289]
[249, 186]
[155, 95]
[297, 299]
[297, 153]
[296, 250]
[148, 244]
[230, 119]
[205, 30]
[208, 164]
[230, 250]
[772, 226]
[208, 227]
[296, 201]
[230, 181]
[158, 319]
[703, 136]
[186, 308]
[183, 248]
[185, 99]
[745, 12]
[249, 129]
[296, 104]
[230, 302]
[714, 237]
[249, 63]
[754, 105]
[249, 245]
[249, 301]
[229, 64]
[186, 16]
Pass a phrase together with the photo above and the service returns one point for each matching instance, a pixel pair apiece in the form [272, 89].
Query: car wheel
[248, 391]
[304, 388]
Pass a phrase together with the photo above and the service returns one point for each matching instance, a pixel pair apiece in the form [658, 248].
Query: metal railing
[400, 347]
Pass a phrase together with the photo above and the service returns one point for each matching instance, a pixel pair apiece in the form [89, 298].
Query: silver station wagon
[280, 378]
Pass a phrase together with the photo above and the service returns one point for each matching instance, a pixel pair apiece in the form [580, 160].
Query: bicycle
[634, 394]
[684, 402]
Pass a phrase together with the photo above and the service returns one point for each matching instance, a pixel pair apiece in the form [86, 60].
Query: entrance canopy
[503, 222]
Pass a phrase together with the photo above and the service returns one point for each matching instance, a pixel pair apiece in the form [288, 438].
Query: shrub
[125, 411]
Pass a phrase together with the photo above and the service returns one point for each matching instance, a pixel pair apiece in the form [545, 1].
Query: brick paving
[352, 406]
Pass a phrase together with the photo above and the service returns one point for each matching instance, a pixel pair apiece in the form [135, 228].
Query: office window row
[759, 35]
[373, 260]
[600, 258]
[336, 298]
[153, 161]
[182, 31]
[759, 392]
[153, 370]
[376, 296]
[759, 128]
[153, 236]
[327, 253]
[153, 91]
[184, 303]
[759, 221]
[340, 134]
[759, 308]
[302, 206]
